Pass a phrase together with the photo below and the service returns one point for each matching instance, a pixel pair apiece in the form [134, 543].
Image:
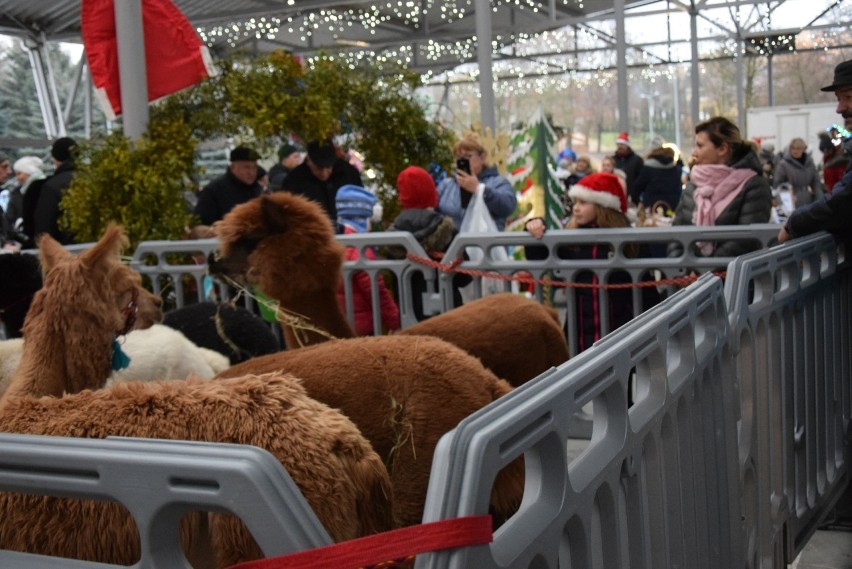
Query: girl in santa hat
[598, 202]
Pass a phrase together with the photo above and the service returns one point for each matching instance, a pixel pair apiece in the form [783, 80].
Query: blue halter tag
[120, 360]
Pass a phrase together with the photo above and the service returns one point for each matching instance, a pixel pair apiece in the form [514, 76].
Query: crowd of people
[727, 180]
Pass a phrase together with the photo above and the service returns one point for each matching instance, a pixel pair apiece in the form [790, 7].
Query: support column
[695, 71]
[44, 102]
[740, 81]
[621, 59]
[132, 73]
[770, 90]
[483, 58]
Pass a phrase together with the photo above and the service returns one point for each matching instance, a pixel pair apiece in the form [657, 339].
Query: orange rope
[526, 278]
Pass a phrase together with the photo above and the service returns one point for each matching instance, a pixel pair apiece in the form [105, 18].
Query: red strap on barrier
[382, 549]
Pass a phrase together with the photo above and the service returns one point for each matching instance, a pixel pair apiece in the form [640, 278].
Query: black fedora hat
[842, 77]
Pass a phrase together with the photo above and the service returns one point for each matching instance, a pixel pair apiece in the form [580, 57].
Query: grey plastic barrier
[167, 263]
[402, 271]
[789, 312]
[650, 240]
[158, 260]
[657, 485]
[159, 482]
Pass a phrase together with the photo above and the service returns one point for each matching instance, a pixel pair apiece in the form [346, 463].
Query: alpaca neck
[61, 358]
[320, 310]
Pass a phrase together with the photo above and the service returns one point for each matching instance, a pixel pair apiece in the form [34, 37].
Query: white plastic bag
[477, 219]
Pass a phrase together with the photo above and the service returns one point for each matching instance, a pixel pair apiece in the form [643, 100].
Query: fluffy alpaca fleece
[230, 330]
[341, 476]
[285, 244]
[403, 393]
[87, 301]
[532, 338]
[158, 352]
[20, 281]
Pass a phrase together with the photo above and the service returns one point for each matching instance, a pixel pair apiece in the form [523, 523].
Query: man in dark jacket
[320, 176]
[833, 211]
[47, 208]
[627, 161]
[237, 185]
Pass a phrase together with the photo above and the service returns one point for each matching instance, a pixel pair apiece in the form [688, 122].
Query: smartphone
[463, 164]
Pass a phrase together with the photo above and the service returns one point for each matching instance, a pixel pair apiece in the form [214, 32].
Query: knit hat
[624, 139]
[243, 154]
[61, 149]
[3, 156]
[416, 189]
[29, 165]
[601, 188]
[286, 150]
[354, 206]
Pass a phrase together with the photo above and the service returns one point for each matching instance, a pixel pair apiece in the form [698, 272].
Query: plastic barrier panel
[158, 482]
[657, 485]
[789, 313]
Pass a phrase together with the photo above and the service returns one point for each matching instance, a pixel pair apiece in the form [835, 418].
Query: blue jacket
[499, 197]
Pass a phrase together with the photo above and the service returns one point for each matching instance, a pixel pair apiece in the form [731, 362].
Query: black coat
[47, 210]
[657, 181]
[221, 196]
[301, 181]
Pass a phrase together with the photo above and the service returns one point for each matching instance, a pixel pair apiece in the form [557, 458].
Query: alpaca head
[283, 243]
[93, 290]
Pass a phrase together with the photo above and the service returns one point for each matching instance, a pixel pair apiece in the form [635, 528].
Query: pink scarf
[716, 186]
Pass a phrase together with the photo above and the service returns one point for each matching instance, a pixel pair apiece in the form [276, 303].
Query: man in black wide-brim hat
[834, 211]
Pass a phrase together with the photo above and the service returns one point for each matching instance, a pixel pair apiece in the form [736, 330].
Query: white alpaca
[155, 353]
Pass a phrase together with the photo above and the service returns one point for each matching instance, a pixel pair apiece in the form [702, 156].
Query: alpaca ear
[110, 245]
[50, 252]
[275, 216]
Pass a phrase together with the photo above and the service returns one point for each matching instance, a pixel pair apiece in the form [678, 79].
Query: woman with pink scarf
[726, 187]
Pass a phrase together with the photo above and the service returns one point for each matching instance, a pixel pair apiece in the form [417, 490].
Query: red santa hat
[601, 188]
[623, 138]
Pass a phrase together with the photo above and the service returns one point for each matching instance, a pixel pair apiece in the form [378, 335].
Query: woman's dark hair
[722, 131]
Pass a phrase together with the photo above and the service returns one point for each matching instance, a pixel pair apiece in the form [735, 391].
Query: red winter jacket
[361, 297]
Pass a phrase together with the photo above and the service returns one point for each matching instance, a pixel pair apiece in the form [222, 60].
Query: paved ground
[828, 549]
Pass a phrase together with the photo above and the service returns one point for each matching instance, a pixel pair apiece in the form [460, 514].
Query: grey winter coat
[803, 176]
[752, 205]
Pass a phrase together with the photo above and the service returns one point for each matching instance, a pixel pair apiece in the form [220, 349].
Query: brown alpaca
[403, 393]
[285, 244]
[69, 344]
[338, 472]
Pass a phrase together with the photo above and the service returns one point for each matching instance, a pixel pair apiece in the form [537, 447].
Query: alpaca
[230, 330]
[341, 476]
[403, 393]
[285, 244]
[155, 353]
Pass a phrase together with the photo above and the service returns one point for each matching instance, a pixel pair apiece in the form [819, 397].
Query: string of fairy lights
[567, 58]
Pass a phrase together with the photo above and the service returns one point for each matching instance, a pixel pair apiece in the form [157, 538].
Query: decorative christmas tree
[531, 170]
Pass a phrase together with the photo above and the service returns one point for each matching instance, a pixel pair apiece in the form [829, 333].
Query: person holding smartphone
[474, 176]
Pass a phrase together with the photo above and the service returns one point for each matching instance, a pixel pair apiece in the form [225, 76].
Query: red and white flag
[175, 57]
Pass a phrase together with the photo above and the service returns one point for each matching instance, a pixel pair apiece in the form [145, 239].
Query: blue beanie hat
[354, 206]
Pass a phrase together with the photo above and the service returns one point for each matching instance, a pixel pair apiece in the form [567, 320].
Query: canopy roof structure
[439, 39]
